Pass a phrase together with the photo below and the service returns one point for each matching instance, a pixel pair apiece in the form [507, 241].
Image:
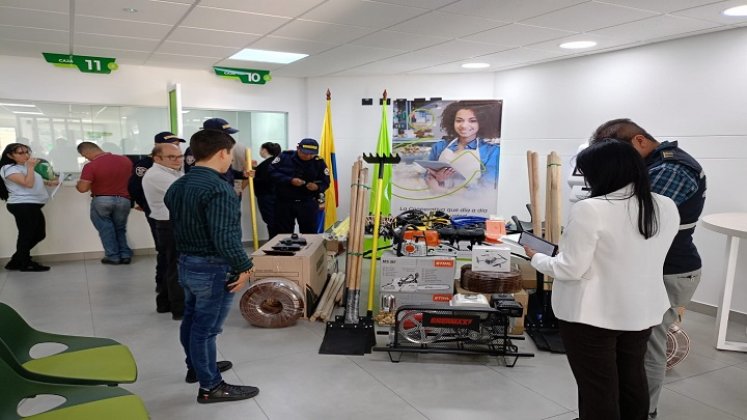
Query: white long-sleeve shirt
[156, 182]
[607, 274]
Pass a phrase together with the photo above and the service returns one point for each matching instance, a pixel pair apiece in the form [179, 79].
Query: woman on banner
[467, 156]
[23, 188]
[608, 291]
[264, 186]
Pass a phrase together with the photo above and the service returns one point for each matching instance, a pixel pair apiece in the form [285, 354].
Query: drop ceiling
[349, 37]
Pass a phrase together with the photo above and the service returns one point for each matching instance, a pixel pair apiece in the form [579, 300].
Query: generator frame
[463, 330]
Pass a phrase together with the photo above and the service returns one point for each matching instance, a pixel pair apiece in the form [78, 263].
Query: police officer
[135, 188]
[301, 176]
[235, 175]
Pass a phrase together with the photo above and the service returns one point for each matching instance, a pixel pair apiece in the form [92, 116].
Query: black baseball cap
[219, 124]
[308, 146]
[167, 137]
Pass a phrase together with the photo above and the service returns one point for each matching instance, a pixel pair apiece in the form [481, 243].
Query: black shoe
[163, 309]
[177, 317]
[226, 392]
[108, 261]
[125, 260]
[12, 265]
[34, 266]
[223, 366]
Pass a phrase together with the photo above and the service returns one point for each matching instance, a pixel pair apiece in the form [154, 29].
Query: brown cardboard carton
[307, 268]
[522, 297]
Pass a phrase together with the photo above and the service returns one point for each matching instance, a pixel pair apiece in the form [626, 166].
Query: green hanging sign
[248, 76]
[84, 63]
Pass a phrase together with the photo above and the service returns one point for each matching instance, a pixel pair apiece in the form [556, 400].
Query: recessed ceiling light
[475, 65]
[129, 10]
[736, 11]
[577, 45]
[20, 105]
[28, 113]
[265, 56]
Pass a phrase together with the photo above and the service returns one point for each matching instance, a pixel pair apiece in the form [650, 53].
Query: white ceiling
[349, 37]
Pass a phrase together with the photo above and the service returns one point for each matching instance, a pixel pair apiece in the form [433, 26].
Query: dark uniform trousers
[305, 210]
[171, 294]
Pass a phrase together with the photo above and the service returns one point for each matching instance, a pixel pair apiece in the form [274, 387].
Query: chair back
[16, 333]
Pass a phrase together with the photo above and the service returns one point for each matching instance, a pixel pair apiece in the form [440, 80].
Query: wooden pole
[533, 168]
[252, 204]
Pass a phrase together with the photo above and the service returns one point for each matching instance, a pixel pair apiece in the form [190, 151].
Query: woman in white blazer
[608, 291]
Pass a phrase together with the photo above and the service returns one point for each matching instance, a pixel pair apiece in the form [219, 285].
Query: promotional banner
[450, 154]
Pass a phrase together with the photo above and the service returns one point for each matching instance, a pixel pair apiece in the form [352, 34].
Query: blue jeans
[206, 306]
[109, 216]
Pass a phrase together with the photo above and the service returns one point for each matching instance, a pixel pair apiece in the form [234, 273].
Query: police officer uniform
[298, 202]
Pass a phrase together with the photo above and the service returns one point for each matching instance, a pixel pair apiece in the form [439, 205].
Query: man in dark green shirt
[205, 216]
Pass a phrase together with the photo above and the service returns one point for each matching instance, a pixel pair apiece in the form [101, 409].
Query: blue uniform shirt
[288, 165]
[489, 155]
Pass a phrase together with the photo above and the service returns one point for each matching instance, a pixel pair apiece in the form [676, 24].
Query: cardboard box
[517, 324]
[307, 268]
[491, 258]
[417, 280]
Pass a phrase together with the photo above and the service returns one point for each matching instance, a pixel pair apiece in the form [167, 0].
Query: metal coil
[490, 282]
[272, 303]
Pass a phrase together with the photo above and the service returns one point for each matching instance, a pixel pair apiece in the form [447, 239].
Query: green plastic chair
[85, 361]
[81, 402]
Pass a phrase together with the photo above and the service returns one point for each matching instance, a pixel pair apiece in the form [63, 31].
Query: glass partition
[53, 130]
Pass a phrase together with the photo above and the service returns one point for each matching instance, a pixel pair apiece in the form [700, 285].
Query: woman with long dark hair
[608, 291]
[264, 186]
[24, 191]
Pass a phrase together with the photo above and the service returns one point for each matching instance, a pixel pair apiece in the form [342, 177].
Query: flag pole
[252, 206]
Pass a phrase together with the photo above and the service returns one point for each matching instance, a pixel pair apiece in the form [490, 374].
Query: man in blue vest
[677, 175]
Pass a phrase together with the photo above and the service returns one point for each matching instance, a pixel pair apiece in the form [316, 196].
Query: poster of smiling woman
[450, 155]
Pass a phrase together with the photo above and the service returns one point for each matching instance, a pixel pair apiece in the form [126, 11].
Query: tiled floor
[296, 382]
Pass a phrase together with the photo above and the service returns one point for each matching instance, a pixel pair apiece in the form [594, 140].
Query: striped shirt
[205, 213]
[673, 180]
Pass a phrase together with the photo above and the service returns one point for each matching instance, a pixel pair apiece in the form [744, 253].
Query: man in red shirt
[106, 176]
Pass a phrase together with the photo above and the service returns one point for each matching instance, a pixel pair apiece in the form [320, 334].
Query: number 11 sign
[84, 63]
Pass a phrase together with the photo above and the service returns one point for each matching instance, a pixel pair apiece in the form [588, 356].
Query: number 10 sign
[84, 63]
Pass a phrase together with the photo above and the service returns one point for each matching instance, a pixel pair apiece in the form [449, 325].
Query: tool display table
[734, 226]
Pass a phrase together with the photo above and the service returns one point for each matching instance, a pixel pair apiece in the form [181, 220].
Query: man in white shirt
[167, 168]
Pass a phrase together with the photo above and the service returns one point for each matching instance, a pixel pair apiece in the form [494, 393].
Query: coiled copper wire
[489, 281]
[272, 303]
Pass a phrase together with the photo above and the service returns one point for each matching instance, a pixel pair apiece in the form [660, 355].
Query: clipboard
[538, 244]
[433, 164]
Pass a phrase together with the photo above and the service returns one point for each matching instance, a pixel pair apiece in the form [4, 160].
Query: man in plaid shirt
[677, 175]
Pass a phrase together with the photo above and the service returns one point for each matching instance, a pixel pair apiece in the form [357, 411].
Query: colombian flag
[328, 216]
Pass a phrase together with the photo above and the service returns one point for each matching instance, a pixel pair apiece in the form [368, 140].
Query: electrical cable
[272, 303]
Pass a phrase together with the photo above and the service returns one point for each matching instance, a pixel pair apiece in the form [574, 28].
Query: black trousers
[31, 230]
[172, 293]
[266, 204]
[306, 211]
[160, 268]
[609, 371]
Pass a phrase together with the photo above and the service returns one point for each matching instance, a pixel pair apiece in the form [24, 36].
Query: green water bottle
[44, 168]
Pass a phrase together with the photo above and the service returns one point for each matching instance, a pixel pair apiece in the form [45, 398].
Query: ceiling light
[28, 113]
[577, 45]
[475, 65]
[129, 10]
[736, 11]
[21, 105]
[248, 54]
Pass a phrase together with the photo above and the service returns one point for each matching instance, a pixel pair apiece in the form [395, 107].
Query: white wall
[69, 228]
[691, 90]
